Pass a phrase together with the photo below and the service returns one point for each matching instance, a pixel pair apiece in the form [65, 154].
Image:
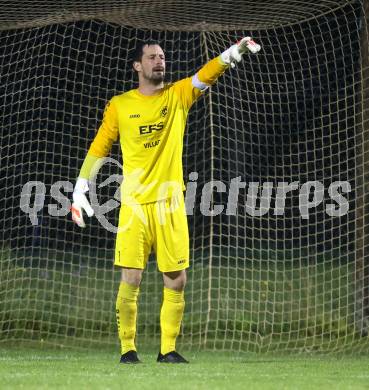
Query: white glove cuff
[81, 185]
[199, 84]
[226, 56]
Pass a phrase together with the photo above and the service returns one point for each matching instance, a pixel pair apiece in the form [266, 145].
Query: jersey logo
[148, 129]
[134, 116]
[164, 111]
[152, 144]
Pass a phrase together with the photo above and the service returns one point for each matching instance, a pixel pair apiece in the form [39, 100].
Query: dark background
[289, 113]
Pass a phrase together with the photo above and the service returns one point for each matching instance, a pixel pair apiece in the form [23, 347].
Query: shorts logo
[134, 116]
[181, 261]
[164, 111]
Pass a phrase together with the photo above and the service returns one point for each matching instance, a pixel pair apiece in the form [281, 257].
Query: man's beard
[155, 78]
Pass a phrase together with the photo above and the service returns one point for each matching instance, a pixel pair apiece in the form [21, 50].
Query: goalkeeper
[150, 123]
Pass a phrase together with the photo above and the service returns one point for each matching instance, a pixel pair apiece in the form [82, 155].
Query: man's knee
[175, 280]
[132, 276]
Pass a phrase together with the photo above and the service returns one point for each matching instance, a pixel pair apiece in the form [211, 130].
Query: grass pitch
[59, 369]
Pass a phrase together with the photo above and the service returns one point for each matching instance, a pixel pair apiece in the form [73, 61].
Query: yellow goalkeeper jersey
[151, 130]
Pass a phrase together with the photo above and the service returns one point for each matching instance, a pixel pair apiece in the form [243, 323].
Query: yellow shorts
[160, 225]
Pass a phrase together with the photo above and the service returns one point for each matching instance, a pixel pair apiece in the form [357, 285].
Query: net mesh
[265, 275]
[174, 15]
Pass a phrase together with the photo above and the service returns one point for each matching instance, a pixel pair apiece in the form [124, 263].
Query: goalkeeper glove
[235, 52]
[80, 202]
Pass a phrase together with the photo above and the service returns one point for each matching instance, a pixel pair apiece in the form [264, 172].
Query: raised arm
[190, 88]
[210, 72]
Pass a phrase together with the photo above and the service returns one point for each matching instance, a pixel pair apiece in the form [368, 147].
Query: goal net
[276, 166]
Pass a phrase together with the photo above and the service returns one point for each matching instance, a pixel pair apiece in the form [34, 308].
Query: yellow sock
[126, 311]
[170, 319]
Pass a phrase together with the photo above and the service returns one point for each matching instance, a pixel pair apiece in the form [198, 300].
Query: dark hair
[138, 53]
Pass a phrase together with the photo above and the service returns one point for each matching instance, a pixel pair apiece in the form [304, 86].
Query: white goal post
[276, 165]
